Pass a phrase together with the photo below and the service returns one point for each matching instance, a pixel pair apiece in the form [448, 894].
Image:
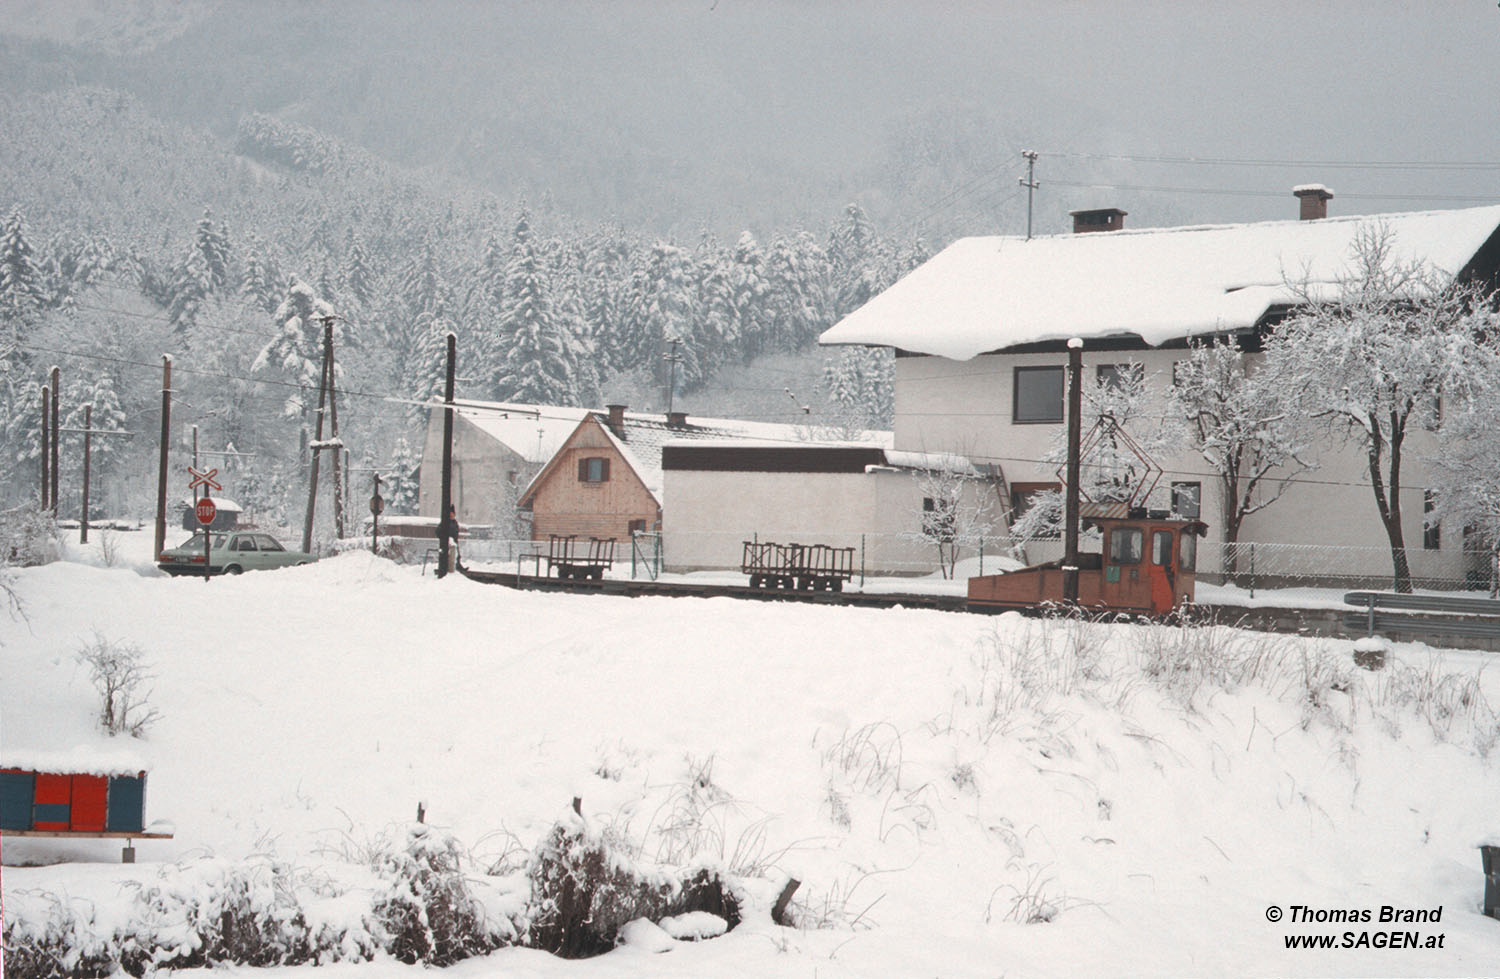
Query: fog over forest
[571, 186]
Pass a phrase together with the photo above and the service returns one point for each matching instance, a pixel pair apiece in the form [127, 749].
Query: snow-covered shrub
[216, 911]
[585, 886]
[61, 940]
[28, 537]
[429, 913]
[118, 671]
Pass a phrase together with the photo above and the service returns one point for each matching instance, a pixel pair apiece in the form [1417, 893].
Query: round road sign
[377, 504]
[205, 511]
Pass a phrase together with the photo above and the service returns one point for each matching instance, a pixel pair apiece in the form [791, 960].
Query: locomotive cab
[1148, 565]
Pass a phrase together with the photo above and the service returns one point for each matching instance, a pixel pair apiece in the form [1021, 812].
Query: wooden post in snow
[446, 502]
[1071, 507]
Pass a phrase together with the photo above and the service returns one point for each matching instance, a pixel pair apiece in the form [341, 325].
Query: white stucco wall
[1329, 514]
[707, 516]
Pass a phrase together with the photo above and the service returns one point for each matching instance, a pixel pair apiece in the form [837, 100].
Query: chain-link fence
[1249, 565]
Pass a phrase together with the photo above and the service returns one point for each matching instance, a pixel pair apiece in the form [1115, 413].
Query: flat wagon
[569, 557]
[804, 567]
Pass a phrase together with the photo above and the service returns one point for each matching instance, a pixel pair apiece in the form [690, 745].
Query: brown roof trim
[758, 458]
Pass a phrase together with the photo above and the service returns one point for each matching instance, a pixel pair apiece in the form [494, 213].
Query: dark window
[1115, 376]
[268, 543]
[1432, 530]
[637, 527]
[1038, 395]
[593, 470]
[244, 544]
[1187, 500]
[1125, 545]
[1161, 547]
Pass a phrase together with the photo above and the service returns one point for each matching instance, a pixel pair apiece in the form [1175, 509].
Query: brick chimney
[677, 419]
[1314, 198]
[1098, 219]
[616, 420]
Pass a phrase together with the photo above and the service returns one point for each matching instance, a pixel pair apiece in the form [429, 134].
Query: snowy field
[959, 795]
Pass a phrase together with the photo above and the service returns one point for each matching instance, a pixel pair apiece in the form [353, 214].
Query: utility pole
[446, 500]
[56, 397]
[315, 446]
[46, 453]
[333, 421]
[87, 432]
[326, 403]
[88, 445]
[673, 358]
[166, 435]
[1029, 182]
[1071, 505]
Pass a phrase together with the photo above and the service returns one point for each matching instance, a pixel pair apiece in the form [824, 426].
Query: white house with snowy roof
[707, 484]
[980, 334]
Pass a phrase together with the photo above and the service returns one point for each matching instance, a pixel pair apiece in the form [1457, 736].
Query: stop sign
[205, 511]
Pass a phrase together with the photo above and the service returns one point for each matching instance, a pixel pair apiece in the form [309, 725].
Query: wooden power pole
[447, 481]
[1071, 506]
[56, 397]
[46, 453]
[166, 433]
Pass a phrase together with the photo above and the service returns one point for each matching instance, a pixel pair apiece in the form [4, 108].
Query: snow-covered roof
[537, 432]
[534, 432]
[1161, 284]
[220, 503]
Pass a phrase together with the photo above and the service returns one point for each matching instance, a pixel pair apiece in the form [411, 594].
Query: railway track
[1295, 621]
[677, 589]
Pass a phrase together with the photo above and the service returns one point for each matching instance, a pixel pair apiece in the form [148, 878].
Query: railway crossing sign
[205, 479]
[205, 510]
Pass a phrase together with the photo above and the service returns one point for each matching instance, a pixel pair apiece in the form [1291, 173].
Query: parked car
[230, 553]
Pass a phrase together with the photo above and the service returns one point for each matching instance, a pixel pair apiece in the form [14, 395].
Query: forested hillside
[127, 237]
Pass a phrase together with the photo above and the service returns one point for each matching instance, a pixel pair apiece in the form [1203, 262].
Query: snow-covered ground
[933, 779]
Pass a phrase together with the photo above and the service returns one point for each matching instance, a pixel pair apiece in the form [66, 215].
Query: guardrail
[1439, 614]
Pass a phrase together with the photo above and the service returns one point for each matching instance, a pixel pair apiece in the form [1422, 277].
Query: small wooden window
[594, 469]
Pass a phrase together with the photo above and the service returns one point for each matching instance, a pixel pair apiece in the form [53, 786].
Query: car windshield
[195, 542]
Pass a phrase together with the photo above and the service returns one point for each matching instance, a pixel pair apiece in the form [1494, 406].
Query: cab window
[1188, 551]
[1125, 545]
[243, 544]
[1161, 547]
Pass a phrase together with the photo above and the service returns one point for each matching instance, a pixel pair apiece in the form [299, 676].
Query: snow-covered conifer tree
[212, 243]
[535, 363]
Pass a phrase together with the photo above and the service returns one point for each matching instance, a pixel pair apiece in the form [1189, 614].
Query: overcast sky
[719, 93]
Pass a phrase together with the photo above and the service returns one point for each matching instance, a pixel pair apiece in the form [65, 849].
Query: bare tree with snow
[1246, 425]
[1382, 351]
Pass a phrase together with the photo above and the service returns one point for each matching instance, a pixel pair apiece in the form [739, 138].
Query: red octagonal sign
[206, 511]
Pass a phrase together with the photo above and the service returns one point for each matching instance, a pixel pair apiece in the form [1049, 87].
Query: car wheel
[233, 569]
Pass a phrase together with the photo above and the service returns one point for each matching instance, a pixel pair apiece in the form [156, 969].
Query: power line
[1230, 192]
[1252, 162]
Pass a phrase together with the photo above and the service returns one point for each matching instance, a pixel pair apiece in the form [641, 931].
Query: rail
[1436, 614]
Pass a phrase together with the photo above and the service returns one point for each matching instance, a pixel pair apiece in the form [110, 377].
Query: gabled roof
[537, 432]
[1159, 284]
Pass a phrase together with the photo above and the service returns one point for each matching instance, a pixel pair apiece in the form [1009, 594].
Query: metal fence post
[1252, 569]
[861, 562]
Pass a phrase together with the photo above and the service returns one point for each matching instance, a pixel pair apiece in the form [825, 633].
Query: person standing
[448, 529]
